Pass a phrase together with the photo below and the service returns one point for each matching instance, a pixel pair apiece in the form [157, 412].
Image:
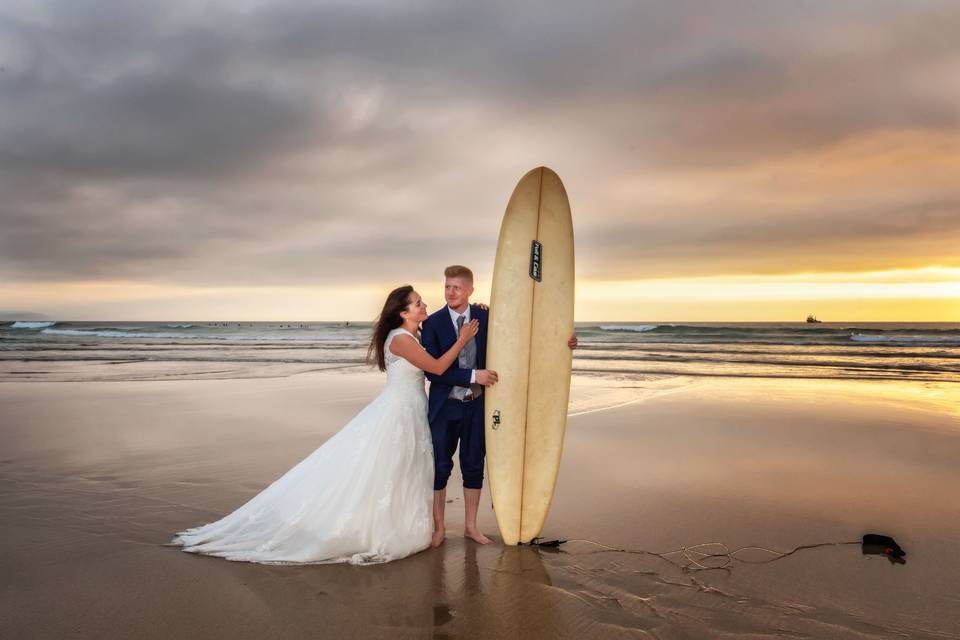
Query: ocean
[63, 351]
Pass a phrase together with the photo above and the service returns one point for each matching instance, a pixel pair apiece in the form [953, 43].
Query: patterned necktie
[468, 355]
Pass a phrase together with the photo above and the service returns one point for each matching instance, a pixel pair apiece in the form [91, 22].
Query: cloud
[304, 143]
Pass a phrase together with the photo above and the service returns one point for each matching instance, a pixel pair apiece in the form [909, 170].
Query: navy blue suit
[452, 420]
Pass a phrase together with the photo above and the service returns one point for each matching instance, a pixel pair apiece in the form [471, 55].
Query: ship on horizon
[812, 319]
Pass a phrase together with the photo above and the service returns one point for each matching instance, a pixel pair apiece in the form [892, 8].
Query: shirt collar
[454, 315]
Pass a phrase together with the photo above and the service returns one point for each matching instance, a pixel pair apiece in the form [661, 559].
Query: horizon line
[354, 321]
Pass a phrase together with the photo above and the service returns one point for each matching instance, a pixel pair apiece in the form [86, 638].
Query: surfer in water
[455, 406]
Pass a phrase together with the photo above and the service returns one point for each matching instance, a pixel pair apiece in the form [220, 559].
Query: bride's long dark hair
[388, 320]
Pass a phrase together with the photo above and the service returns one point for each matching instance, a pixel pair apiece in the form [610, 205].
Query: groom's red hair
[458, 271]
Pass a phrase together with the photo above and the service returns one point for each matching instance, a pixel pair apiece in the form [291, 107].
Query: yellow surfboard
[531, 319]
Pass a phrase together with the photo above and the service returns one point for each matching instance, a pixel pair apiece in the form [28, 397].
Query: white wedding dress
[365, 496]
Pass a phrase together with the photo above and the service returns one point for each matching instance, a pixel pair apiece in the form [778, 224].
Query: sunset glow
[907, 295]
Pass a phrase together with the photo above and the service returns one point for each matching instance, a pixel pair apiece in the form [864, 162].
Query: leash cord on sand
[695, 557]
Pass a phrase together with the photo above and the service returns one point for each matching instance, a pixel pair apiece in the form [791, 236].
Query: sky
[295, 160]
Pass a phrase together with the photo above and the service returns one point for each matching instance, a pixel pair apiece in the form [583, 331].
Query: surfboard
[531, 320]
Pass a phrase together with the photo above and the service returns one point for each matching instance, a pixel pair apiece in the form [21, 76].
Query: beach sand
[97, 476]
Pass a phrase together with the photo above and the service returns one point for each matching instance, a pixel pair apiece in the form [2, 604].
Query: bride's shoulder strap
[399, 331]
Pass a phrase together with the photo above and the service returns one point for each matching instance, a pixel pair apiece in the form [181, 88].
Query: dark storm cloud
[104, 90]
[293, 142]
[158, 125]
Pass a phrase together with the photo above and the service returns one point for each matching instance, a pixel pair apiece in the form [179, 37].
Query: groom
[456, 400]
[455, 409]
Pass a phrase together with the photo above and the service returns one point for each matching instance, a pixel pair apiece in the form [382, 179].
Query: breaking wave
[20, 324]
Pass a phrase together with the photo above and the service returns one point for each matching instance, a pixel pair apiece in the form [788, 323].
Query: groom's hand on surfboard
[486, 377]
[572, 342]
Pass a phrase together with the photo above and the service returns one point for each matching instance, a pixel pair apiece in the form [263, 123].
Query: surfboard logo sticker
[496, 419]
[536, 261]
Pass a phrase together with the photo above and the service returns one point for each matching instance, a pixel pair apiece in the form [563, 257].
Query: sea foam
[638, 328]
[20, 324]
[139, 335]
[862, 337]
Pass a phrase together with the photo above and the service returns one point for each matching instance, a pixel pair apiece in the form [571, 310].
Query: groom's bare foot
[438, 536]
[476, 536]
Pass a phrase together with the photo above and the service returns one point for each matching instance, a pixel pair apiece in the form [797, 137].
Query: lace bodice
[400, 370]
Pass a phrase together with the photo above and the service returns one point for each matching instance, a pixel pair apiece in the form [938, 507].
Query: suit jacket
[438, 334]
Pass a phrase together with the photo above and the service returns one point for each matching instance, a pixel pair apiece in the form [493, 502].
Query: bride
[364, 496]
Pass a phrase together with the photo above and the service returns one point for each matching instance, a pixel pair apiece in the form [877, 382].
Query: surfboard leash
[697, 555]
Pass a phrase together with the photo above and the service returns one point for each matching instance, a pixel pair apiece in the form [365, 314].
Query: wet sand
[97, 476]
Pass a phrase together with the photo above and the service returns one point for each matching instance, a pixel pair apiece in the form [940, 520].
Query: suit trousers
[463, 422]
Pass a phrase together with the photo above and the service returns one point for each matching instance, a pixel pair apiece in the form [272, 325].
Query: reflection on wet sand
[95, 477]
[490, 591]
